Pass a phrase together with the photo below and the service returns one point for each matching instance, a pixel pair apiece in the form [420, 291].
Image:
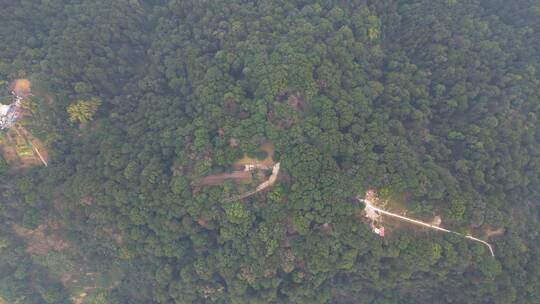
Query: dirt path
[218, 179]
[244, 172]
[372, 209]
[266, 184]
[271, 180]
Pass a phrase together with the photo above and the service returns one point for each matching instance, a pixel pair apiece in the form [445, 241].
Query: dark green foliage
[22, 280]
[433, 103]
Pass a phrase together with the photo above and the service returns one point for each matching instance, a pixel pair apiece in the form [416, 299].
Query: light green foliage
[456, 209]
[83, 111]
[236, 213]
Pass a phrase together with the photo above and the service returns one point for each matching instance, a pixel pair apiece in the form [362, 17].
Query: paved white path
[369, 206]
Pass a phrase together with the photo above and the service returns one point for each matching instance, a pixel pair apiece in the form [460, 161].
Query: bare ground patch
[219, 179]
[494, 232]
[21, 87]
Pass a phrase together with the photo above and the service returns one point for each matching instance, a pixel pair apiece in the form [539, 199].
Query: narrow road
[416, 222]
[268, 183]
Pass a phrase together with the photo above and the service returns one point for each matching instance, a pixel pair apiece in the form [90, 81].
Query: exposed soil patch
[241, 174]
[218, 179]
[21, 87]
[246, 169]
[494, 232]
[436, 221]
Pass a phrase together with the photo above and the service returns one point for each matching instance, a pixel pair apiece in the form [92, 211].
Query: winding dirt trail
[268, 183]
[370, 208]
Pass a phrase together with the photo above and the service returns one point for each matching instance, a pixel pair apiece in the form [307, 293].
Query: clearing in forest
[21, 149]
[265, 164]
[38, 147]
[373, 213]
[18, 146]
[242, 168]
[21, 87]
[264, 185]
[220, 178]
[243, 172]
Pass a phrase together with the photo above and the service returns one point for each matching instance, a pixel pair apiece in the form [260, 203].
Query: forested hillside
[435, 104]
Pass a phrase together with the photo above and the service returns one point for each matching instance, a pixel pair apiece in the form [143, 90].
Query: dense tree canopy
[434, 104]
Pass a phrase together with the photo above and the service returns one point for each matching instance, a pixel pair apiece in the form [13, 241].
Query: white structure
[10, 113]
[251, 167]
[4, 110]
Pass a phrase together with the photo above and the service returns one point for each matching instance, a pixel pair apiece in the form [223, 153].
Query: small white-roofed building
[8, 115]
[4, 109]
